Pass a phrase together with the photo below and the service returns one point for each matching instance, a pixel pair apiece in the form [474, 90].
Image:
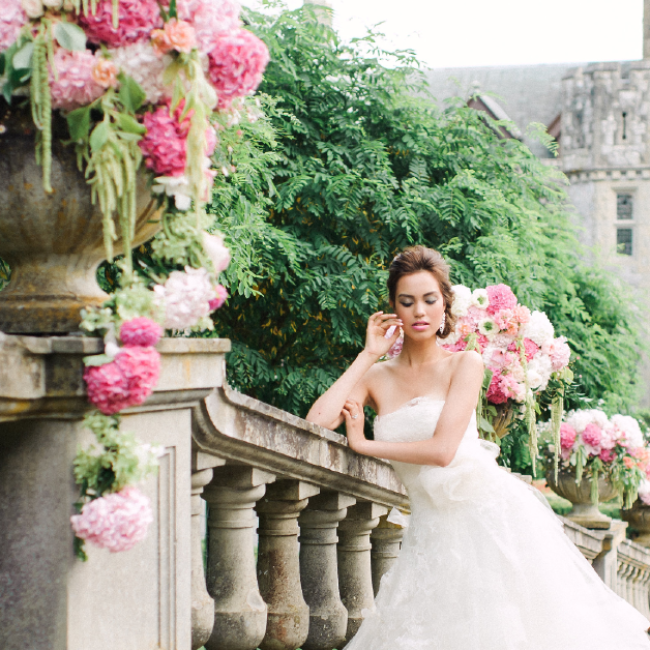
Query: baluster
[355, 572]
[278, 566]
[239, 611]
[386, 542]
[328, 618]
[645, 593]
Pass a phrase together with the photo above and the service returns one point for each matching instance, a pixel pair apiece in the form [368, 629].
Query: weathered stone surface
[239, 611]
[278, 568]
[386, 540]
[328, 617]
[247, 431]
[355, 573]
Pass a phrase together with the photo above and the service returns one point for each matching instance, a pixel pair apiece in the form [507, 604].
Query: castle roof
[526, 93]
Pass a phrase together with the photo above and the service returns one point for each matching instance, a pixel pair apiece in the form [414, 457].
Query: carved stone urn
[52, 242]
[638, 516]
[584, 512]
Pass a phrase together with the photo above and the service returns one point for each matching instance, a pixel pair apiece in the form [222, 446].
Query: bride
[484, 565]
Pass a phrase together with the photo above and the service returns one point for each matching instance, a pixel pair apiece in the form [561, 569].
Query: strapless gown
[485, 564]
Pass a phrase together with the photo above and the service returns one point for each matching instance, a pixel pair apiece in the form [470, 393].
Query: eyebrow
[407, 295]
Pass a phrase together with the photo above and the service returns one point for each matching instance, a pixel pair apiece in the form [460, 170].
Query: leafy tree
[352, 163]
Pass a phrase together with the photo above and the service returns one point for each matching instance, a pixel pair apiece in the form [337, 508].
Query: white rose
[33, 8]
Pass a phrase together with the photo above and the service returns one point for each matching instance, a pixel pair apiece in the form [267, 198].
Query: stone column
[239, 611]
[386, 542]
[355, 573]
[606, 563]
[328, 618]
[278, 567]
[202, 603]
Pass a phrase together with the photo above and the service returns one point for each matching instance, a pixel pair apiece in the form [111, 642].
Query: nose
[419, 309]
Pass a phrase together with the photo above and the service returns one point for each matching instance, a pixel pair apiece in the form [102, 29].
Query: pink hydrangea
[530, 348]
[137, 18]
[236, 64]
[592, 435]
[126, 381]
[222, 294]
[12, 19]
[501, 297]
[567, 436]
[75, 85]
[140, 331]
[209, 19]
[164, 145]
[116, 521]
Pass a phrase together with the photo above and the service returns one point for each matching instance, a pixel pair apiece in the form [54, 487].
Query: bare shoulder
[468, 363]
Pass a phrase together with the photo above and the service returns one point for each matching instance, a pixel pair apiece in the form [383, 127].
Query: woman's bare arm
[452, 424]
[327, 409]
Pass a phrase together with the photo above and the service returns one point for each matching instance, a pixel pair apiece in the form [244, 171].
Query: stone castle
[600, 115]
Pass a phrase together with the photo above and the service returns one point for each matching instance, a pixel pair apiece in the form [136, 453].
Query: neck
[416, 353]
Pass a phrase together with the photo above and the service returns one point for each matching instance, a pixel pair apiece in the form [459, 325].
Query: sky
[468, 33]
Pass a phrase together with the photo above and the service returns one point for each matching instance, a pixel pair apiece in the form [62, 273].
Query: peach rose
[104, 73]
[177, 35]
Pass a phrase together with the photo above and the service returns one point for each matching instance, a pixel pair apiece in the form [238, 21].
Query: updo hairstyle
[419, 258]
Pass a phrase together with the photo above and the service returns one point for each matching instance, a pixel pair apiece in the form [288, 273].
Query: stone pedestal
[278, 567]
[355, 573]
[386, 541]
[239, 611]
[138, 599]
[319, 570]
[606, 562]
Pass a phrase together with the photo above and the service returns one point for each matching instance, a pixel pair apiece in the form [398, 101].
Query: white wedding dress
[485, 564]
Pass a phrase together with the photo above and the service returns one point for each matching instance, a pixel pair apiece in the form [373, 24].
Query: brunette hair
[420, 258]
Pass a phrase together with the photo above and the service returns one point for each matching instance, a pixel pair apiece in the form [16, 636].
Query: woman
[485, 565]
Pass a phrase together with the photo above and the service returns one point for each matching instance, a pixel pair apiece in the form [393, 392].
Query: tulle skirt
[486, 565]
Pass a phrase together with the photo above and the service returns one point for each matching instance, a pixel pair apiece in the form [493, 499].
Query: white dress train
[485, 565]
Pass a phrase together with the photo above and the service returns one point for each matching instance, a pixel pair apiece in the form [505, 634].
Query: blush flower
[140, 331]
[500, 297]
[559, 352]
[137, 18]
[222, 294]
[607, 455]
[176, 35]
[104, 73]
[236, 64]
[138, 60]
[592, 435]
[75, 85]
[210, 18]
[116, 521]
[12, 20]
[644, 492]
[216, 251]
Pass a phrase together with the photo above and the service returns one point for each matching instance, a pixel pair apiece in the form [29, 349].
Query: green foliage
[352, 164]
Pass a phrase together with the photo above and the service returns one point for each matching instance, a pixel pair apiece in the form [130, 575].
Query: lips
[420, 325]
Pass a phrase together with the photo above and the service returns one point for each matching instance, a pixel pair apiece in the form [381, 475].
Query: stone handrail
[312, 493]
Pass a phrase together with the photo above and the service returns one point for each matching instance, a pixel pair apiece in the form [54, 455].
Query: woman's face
[419, 304]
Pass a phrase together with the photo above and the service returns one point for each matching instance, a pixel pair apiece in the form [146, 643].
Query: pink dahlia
[222, 294]
[126, 381]
[140, 331]
[76, 85]
[137, 18]
[567, 436]
[12, 20]
[592, 435]
[501, 297]
[236, 64]
[116, 521]
[164, 145]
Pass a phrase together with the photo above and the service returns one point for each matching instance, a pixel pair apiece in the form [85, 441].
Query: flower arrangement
[593, 445]
[146, 87]
[521, 353]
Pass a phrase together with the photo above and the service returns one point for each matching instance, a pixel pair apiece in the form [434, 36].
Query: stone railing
[310, 491]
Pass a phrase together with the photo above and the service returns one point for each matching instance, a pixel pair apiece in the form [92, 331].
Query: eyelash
[409, 304]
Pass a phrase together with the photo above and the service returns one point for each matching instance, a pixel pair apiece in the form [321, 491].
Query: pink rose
[217, 302]
[592, 435]
[104, 73]
[607, 455]
[176, 35]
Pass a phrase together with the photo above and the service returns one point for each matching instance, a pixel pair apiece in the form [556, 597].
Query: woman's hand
[378, 324]
[354, 418]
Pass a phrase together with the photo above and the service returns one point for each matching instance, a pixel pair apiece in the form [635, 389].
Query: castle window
[624, 207]
[624, 241]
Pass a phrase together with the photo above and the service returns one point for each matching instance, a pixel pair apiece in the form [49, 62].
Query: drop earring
[441, 329]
